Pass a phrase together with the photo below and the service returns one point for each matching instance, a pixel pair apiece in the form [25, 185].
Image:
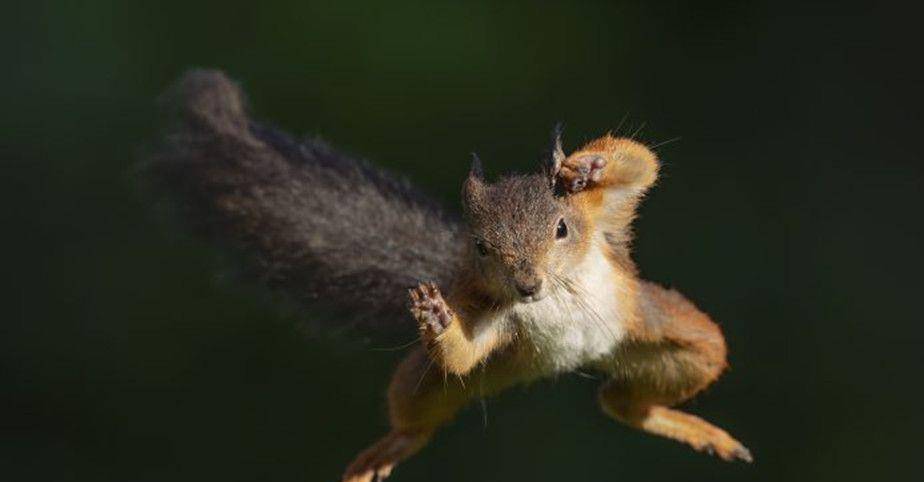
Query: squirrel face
[524, 237]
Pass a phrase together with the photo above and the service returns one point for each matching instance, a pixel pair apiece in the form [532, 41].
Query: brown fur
[670, 350]
[525, 297]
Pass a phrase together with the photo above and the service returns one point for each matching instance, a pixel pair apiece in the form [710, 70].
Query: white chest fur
[571, 327]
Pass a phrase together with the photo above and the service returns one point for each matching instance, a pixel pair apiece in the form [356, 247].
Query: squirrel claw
[429, 308]
[578, 172]
[727, 449]
[743, 454]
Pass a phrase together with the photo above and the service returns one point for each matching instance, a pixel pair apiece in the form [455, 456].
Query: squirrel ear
[474, 185]
[556, 155]
[476, 170]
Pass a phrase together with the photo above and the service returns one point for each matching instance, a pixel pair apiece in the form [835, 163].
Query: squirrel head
[524, 235]
[529, 233]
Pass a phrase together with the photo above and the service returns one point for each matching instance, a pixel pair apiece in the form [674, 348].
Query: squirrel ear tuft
[556, 155]
[473, 187]
[476, 171]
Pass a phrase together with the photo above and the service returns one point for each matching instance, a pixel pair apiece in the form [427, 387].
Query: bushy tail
[313, 222]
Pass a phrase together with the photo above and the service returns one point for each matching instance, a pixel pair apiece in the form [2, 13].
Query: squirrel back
[323, 227]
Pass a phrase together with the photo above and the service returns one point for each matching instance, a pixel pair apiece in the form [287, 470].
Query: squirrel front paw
[430, 310]
[579, 172]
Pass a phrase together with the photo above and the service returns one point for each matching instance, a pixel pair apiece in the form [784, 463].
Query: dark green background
[787, 211]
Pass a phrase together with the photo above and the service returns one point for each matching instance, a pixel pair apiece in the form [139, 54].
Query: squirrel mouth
[530, 292]
[532, 298]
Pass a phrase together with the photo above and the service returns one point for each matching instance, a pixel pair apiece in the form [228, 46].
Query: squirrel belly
[579, 322]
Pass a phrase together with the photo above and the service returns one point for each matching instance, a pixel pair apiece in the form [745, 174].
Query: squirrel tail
[327, 229]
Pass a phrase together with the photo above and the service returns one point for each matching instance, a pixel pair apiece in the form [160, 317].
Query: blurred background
[785, 211]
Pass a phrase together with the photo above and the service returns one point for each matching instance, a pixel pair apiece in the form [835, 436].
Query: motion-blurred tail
[313, 222]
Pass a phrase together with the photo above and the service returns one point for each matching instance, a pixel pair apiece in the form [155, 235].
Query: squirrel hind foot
[701, 435]
[376, 462]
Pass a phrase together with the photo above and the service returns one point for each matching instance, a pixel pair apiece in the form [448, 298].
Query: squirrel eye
[479, 245]
[562, 230]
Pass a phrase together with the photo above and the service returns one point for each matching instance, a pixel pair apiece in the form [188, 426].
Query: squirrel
[534, 279]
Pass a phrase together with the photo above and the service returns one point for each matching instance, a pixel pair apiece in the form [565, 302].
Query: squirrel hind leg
[653, 416]
[666, 374]
[376, 462]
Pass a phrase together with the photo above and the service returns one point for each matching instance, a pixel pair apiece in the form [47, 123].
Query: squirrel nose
[529, 289]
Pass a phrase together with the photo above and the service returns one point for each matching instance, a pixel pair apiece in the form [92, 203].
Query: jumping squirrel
[534, 280]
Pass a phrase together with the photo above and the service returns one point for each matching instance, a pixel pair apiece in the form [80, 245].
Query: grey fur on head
[320, 225]
[513, 211]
